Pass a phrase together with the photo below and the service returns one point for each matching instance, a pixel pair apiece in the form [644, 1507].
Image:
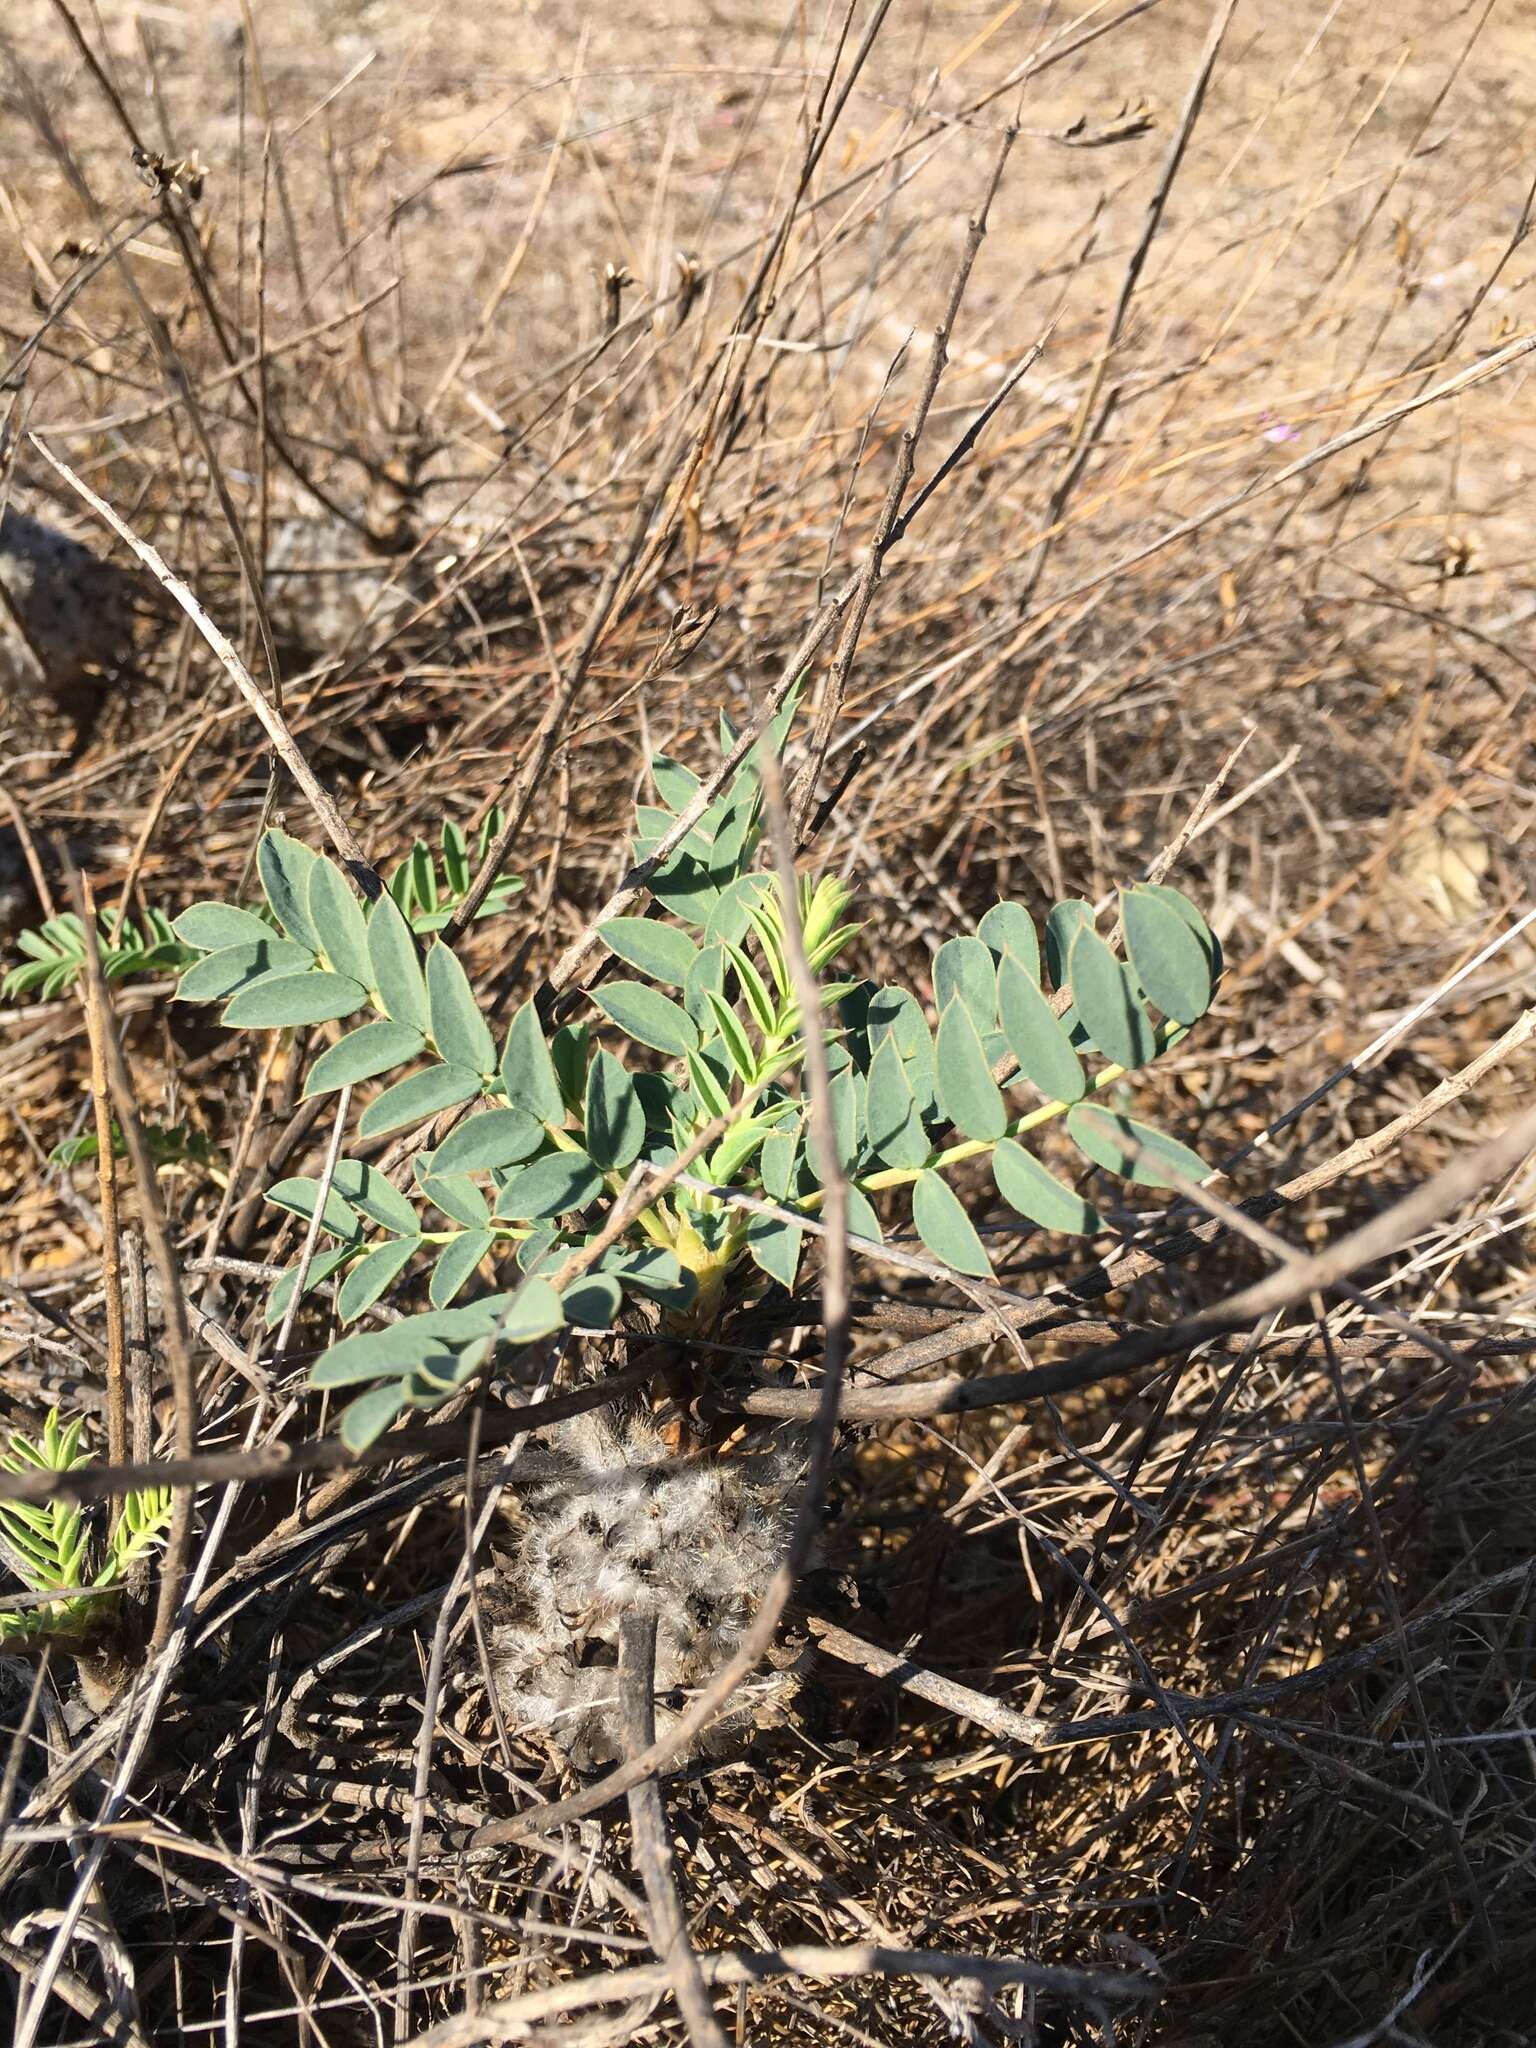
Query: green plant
[559, 1122]
[56, 952]
[427, 887]
[50, 1548]
[169, 1145]
[429, 890]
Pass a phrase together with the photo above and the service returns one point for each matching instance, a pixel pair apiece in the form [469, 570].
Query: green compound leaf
[377, 1198]
[1036, 1037]
[365, 1420]
[613, 1119]
[458, 1029]
[896, 1132]
[455, 858]
[774, 1246]
[965, 968]
[1009, 928]
[570, 1049]
[321, 1267]
[705, 978]
[897, 1012]
[1027, 1188]
[592, 1302]
[459, 1197]
[416, 1098]
[284, 1000]
[527, 1070]
[373, 1275]
[1104, 993]
[494, 1137]
[968, 1095]
[1061, 928]
[372, 1049]
[1178, 901]
[709, 1090]
[237, 967]
[648, 1017]
[1132, 1149]
[542, 1248]
[534, 1311]
[847, 1105]
[657, 949]
[731, 919]
[552, 1186]
[1171, 963]
[780, 1157]
[754, 989]
[733, 1037]
[429, 1340]
[284, 866]
[676, 785]
[862, 1220]
[212, 927]
[686, 888]
[396, 969]
[299, 1195]
[945, 1228]
[337, 920]
[456, 1264]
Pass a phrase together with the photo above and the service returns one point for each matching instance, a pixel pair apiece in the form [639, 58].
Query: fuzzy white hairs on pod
[622, 1526]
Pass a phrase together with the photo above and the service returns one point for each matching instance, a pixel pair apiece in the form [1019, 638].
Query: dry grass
[1284, 1574]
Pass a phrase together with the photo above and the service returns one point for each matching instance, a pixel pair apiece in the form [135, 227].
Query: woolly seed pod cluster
[621, 1526]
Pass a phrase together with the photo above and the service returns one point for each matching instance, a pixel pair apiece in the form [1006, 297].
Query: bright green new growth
[50, 1551]
[559, 1128]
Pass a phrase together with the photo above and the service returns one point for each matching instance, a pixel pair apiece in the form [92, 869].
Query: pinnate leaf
[235, 967]
[1027, 1187]
[1170, 962]
[396, 968]
[365, 1420]
[373, 1275]
[416, 1098]
[1130, 1148]
[1009, 928]
[1036, 1037]
[592, 1302]
[965, 968]
[371, 1049]
[299, 1194]
[654, 947]
[896, 1131]
[1104, 995]
[374, 1196]
[945, 1229]
[527, 1070]
[321, 1267]
[494, 1137]
[212, 927]
[613, 1119]
[337, 920]
[647, 1016]
[284, 866]
[459, 1197]
[552, 1186]
[458, 1029]
[968, 1095]
[280, 1001]
[1061, 928]
[774, 1246]
[456, 1264]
